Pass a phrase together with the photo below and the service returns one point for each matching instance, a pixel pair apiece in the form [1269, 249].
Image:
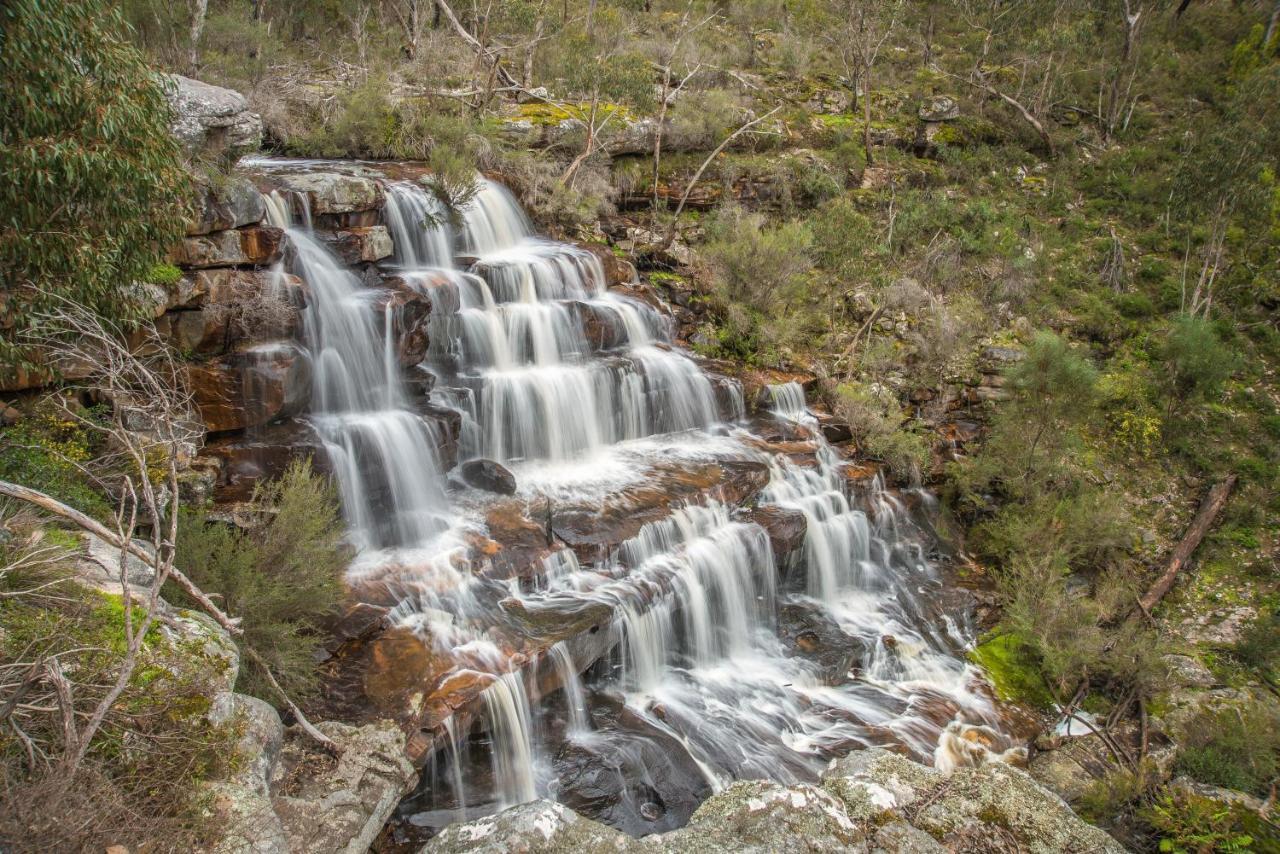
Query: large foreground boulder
[871, 800]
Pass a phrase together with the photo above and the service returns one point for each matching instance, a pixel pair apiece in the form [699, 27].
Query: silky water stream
[719, 662]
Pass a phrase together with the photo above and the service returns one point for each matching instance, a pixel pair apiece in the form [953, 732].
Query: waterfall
[710, 671]
[384, 454]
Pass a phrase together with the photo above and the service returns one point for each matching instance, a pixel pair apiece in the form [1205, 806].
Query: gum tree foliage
[94, 181]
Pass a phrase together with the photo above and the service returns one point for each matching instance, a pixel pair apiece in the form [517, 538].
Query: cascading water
[579, 391]
[384, 454]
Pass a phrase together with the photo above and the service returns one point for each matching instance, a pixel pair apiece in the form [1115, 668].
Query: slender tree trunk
[199, 9]
[1272, 23]
[866, 113]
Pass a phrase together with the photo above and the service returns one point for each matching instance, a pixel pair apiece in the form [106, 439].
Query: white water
[578, 390]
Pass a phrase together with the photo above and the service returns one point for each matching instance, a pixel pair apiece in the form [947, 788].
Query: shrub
[83, 114]
[47, 451]
[1190, 824]
[1197, 361]
[142, 776]
[1259, 646]
[1234, 747]
[282, 578]
[876, 420]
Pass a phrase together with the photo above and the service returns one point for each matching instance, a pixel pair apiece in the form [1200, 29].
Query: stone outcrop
[211, 120]
[257, 245]
[229, 203]
[334, 192]
[251, 388]
[871, 800]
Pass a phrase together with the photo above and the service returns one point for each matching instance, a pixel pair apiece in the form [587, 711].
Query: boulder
[489, 476]
[210, 120]
[230, 203]
[334, 192]
[760, 815]
[258, 245]
[869, 800]
[939, 108]
[538, 827]
[254, 387]
[241, 803]
[410, 312]
[786, 528]
[341, 806]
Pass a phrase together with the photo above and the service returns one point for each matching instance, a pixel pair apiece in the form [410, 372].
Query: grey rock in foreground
[869, 801]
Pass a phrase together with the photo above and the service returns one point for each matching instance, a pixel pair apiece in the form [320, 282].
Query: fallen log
[1200, 525]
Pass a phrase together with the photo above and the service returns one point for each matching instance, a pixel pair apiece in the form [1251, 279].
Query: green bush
[95, 186]
[1234, 747]
[48, 451]
[1196, 359]
[282, 578]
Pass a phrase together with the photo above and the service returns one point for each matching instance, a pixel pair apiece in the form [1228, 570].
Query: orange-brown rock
[257, 245]
[251, 388]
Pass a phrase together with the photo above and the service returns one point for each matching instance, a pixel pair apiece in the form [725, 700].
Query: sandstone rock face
[871, 800]
[251, 388]
[212, 120]
[342, 808]
[335, 193]
[361, 244]
[231, 204]
[252, 246]
[224, 310]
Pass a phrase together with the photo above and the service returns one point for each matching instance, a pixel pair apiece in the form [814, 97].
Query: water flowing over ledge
[627, 631]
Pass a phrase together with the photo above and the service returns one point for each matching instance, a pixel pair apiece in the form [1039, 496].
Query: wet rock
[210, 120]
[361, 243]
[334, 192]
[342, 805]
[251, 388]
[262, 454]
[410, 312]
[489, 476]
[786, 529]
[538, 827]
[811, 634]
[617, 271]
[399, 669]
[258, 245]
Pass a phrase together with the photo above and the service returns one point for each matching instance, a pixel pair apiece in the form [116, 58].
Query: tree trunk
[1272, 23]
[1200, 525]
[199, 8]
[866, 114]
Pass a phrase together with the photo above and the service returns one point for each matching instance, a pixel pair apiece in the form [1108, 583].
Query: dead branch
[492, 59]
[684, 198]
[93, 526]
[980, 81]
[1200, 525]
[320, 738]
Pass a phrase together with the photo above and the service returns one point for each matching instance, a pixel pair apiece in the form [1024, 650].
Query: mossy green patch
[1012, 670]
